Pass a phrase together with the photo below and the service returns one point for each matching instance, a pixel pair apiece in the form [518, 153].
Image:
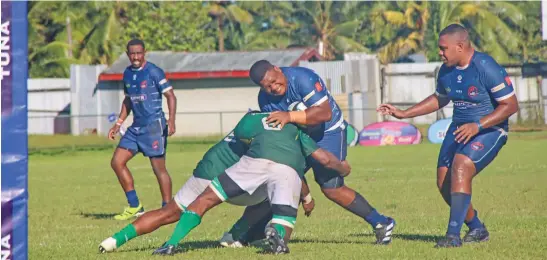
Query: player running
[281, 87]
[144, 84]
[483, 98]
[214, 163]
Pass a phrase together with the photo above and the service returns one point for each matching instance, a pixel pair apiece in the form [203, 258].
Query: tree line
[64, 33]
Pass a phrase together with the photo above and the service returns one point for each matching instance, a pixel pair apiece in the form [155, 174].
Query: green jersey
[288, 145]
[221, 156]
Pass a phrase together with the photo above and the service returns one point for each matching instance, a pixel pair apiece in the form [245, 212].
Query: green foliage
[509, 31]
[172, 26]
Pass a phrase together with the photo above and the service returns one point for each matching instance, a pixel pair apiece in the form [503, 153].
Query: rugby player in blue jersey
[279, 88]
[144, 84]
[484, 99]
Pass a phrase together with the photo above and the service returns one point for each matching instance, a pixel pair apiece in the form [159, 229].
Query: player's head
[135, 52]
[454, 44]
[270, 78]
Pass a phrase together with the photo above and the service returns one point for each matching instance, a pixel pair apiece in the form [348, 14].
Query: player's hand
[113, 132]
[347, 168]
[465, 132]
[308, 208]
[279, 118]
[171, 127]
[388, 109]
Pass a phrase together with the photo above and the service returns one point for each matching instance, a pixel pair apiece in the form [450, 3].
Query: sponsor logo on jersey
[477, 146]
[134, 76]
[448, 89]
[463, 104]
[143, 84]
[138, 98]
[460, 78]
[127, 85]
[472, 91]
[498, 88]
[318, 86]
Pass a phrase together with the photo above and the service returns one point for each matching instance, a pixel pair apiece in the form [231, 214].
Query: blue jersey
[306, 86]
[476, 89]
[145, 86]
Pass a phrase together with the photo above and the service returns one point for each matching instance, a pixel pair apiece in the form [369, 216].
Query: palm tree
[494, 26]
[225, 12]
[276, 30]
[397, 29]
[331, 25]
[64, 33]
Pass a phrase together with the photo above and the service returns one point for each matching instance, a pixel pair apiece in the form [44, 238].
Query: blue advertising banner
[437, 130]
[13, 44]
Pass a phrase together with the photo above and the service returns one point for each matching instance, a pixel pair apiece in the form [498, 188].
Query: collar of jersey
[140, 68]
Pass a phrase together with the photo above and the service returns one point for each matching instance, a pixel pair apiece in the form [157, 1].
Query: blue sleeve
[263, 102]
[496, 80]
[312, 89]
[126, 84]
[440, 90]
[160, 80]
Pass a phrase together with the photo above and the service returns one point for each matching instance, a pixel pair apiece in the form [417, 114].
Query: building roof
[197, 65]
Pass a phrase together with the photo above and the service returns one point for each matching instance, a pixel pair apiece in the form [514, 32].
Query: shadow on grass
[98, 215]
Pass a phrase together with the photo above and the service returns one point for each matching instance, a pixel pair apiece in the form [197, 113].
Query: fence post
[543, 95]
[221, 128]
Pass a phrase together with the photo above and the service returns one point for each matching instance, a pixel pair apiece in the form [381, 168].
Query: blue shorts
[481, 149]
[335, 142]
[151, 140]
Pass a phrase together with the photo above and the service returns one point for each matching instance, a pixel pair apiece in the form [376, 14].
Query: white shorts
[194, 186]
[250, 175]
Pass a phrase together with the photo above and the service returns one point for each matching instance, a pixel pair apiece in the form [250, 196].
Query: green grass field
[73, 196]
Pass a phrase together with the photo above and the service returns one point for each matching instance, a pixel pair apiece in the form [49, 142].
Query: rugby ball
[298, 106]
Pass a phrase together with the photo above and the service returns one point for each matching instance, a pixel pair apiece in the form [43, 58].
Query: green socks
[126, 234]
[188, 221]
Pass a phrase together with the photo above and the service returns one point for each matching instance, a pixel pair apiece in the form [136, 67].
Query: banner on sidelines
[14, 130]
[437, 130]
[352, 135]
[389, 133]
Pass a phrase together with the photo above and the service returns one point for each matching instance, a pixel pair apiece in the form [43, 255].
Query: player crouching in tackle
[483, 98]
[281, 87]
[247, 182]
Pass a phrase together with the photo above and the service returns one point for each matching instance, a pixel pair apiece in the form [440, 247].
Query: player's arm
[429, 105]
[315, 97]
[322, 156]
[124, 113]
[166, 89]
[308, 203]
[328, 160]
[501, 89]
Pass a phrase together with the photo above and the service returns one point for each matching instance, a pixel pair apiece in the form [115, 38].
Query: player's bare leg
[164, 180]
[462, 173]
[119, 165]
[145, 224]
[190, 219]
[152, 220]
[444, 185]
[356, 204]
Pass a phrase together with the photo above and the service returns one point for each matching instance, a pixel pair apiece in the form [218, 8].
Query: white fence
[60, 106]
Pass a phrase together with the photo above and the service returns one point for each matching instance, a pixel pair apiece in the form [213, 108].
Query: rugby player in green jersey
[220, 163]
